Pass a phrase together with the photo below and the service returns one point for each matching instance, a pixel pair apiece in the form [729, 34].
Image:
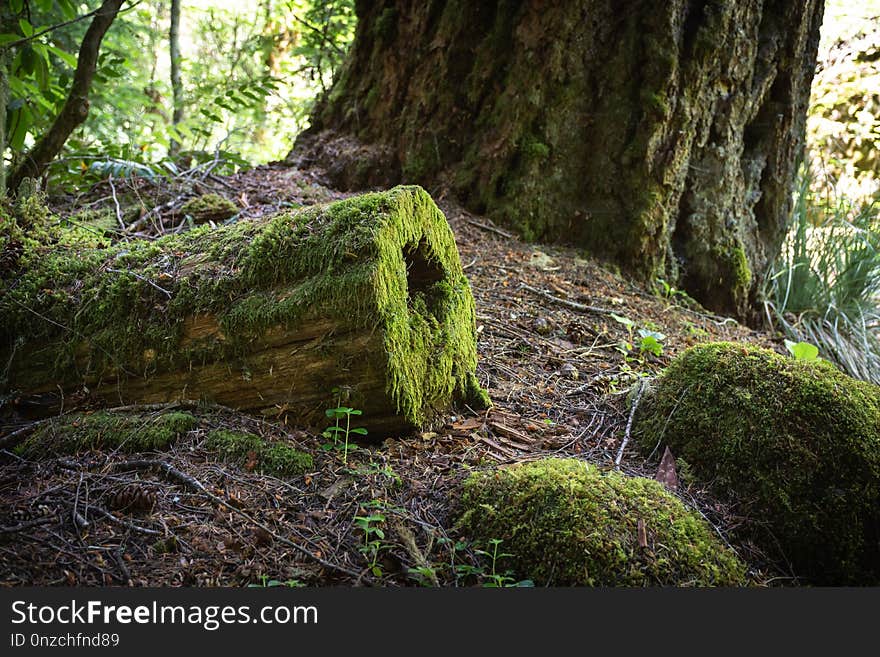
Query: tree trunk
[76, 107]
[176, 84]
[661, 136]
[366, 295]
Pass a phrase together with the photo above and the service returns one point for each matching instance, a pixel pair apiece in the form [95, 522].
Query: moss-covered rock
[126, 432]
[568, 523]
[796, 443]
[277, 458]
[209, 207]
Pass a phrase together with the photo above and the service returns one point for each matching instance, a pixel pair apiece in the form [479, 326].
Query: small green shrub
[128, 432]
[277, 458]
[565, 522]
[795, 442]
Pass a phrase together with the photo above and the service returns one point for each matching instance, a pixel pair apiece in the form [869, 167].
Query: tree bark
[663, 137]
[366, 296]
[176, 84]
[76, 107]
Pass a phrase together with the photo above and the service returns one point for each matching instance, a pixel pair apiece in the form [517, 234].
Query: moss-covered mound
[127, 432]
[568, 523]
[209, 207]
[797, 443]
[277, 458]
[367, 292]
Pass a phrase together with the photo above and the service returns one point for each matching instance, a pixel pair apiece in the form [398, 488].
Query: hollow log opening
[422, 275]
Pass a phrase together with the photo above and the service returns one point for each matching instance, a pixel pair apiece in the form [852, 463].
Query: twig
[142, 278]
[565, 302]
[632, 413]
[491, 229]
[25, 525]
[58, 26]
[124, 523]
[116, 202]
[12, 439]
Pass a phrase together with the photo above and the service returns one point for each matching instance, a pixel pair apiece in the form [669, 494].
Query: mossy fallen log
[366, 296]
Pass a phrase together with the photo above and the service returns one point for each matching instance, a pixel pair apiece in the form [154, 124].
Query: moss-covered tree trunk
[661, 136]
[362, 302]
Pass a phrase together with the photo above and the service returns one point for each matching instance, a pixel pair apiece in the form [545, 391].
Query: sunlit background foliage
[251, 70]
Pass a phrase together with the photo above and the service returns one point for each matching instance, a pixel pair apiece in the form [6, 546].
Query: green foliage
[338, 414]
[246, 105]
[104, 430]
[843, 124]
[565, 522]
[373, 533]
[802, 350]
[266, 583]
[651, 342]
[824, 288]
[794, 442]
[273, 457]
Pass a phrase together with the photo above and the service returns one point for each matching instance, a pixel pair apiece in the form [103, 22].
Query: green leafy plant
[802, 350]
[490, 577]
[266, 583]
[370, 525]
[423, 575]
[342, 434]
[651, 342]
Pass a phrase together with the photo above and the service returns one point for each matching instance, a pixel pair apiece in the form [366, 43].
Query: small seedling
[494, 579]
[802, 350]
[266, 583]
[651, 342]
[626, 321]
[373, 537]
[424, 575]
[334, 432]
[373, 468]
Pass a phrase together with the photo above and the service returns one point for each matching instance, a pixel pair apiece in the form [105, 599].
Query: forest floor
[552, 329]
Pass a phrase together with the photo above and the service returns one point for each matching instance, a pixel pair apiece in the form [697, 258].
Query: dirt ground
[551, 325]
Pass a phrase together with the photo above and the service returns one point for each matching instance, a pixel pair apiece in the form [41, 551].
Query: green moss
[739, 274]
[347, 261]
[567, 523]
[655, 103]
[533, 150]
[386, 25]
[127, 432]
[277, 458]
[795, 443]
[209, 207]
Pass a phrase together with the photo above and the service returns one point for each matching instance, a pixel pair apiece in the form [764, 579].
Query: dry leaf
[666, 473]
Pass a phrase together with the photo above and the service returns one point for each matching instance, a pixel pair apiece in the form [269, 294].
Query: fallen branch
[632, 413]
[25, 525]
[565, 302]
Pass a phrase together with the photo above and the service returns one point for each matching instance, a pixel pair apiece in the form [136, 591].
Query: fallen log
[361, 302]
